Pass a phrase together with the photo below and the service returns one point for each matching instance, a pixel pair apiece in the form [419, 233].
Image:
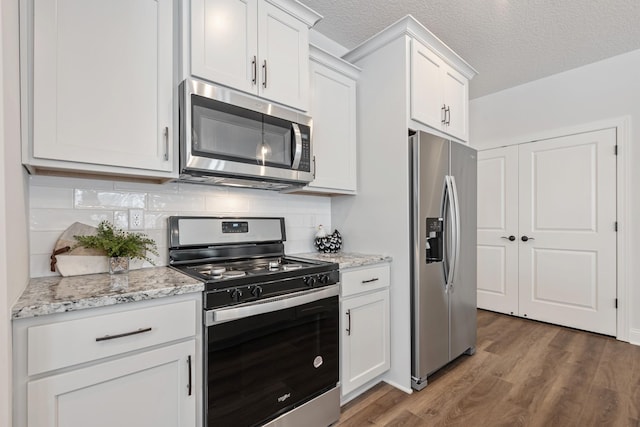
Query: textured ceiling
[509, 42]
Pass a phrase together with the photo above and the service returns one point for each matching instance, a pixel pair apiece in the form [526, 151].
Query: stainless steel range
[271, 323]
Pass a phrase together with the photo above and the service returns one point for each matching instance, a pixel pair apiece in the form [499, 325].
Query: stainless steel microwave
[230, 138]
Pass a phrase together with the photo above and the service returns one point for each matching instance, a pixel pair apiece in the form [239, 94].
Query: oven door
[259, 366]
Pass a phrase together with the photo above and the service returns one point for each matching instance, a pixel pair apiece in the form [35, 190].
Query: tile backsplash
[55, 203]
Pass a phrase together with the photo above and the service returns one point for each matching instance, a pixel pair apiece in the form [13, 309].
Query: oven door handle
[221, 315]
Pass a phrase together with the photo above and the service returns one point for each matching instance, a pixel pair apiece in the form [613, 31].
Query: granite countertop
[347, 259]
[47, 295]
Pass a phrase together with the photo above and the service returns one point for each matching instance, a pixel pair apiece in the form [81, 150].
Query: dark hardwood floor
[524, 373]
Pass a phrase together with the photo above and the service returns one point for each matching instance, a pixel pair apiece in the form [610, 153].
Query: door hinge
[615, 226]
[616, 302]
[615, 149]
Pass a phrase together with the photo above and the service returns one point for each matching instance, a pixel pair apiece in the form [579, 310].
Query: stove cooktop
[230, 270]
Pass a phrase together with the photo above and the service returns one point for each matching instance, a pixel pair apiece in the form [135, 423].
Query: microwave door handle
[297, 156]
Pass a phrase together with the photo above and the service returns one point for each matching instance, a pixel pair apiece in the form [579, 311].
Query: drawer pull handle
[375, 279]
[349, 322]
[126, 334]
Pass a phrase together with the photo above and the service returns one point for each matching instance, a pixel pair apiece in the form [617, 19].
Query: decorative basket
[332, 243]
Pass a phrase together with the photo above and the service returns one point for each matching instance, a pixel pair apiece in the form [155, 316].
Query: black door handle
[510, 238]
[525, 238]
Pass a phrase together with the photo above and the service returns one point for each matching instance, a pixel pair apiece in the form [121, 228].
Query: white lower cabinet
[364, 324]
[134, 364]
[150, 389]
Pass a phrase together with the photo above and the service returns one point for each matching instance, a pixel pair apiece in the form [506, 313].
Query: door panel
[567, 271]
[498, 218]
[463, 291]
[430, 301]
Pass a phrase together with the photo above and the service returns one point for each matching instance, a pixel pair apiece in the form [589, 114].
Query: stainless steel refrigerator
[443, 253]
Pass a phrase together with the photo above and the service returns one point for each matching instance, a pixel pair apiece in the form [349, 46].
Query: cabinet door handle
[510, 238]
[189, 367]
[348, 322]
[314, 167]
[443, 114]
[447, 114]
[166, 143]
[126, 334]
[375, 279]
[254, 70]
[264, 72]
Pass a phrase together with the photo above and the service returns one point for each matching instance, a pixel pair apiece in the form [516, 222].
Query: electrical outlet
[136, 219]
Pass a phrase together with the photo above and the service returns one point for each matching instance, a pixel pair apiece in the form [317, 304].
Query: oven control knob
[256, 291]
[323, 278]
[236, 294]
[310, 281]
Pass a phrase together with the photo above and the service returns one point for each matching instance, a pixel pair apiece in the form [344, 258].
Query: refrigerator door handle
[448, 213]
[456, 231]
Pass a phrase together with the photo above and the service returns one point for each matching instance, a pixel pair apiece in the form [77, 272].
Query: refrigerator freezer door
[463, 290]
[430, 304]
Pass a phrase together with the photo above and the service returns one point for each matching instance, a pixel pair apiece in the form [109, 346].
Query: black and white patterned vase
[332, 243]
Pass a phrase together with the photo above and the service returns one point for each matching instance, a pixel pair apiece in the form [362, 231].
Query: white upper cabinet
[333, 108]
[98, 87]
[224, 42]
[439, 94]
[256, 46]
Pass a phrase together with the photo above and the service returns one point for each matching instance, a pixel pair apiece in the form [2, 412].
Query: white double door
[546, 230]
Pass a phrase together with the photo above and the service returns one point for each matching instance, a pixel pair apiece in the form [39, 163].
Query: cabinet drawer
[63, 344]
[363, 280]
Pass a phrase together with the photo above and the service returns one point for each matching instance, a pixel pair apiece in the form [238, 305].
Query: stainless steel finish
[464, 300]
[166, 142]
[321, 411]
[194, 231]
[267, 305]
[348, 322]
[375, 279]
[448, 211]
[443, 296]
[203, 170]
[254, 70]
[456, 229]
[298, 152]
[126, 334]
[264, 70]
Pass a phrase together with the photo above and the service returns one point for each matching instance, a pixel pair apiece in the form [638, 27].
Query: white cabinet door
[102, 82]
[333, 108]
[283, 60]
[253, 46]
[150, 389]
[439, 94]
[567, 212]
[497, 224]
[365, 339]
[456, 99]
[224, 42]
[427, 99]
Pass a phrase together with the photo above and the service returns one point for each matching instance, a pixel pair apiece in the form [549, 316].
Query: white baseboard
[634, 336]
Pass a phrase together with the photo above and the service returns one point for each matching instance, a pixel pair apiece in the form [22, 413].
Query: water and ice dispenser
[434, 240]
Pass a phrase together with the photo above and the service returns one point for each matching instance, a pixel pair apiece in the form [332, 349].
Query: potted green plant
[119, 246]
